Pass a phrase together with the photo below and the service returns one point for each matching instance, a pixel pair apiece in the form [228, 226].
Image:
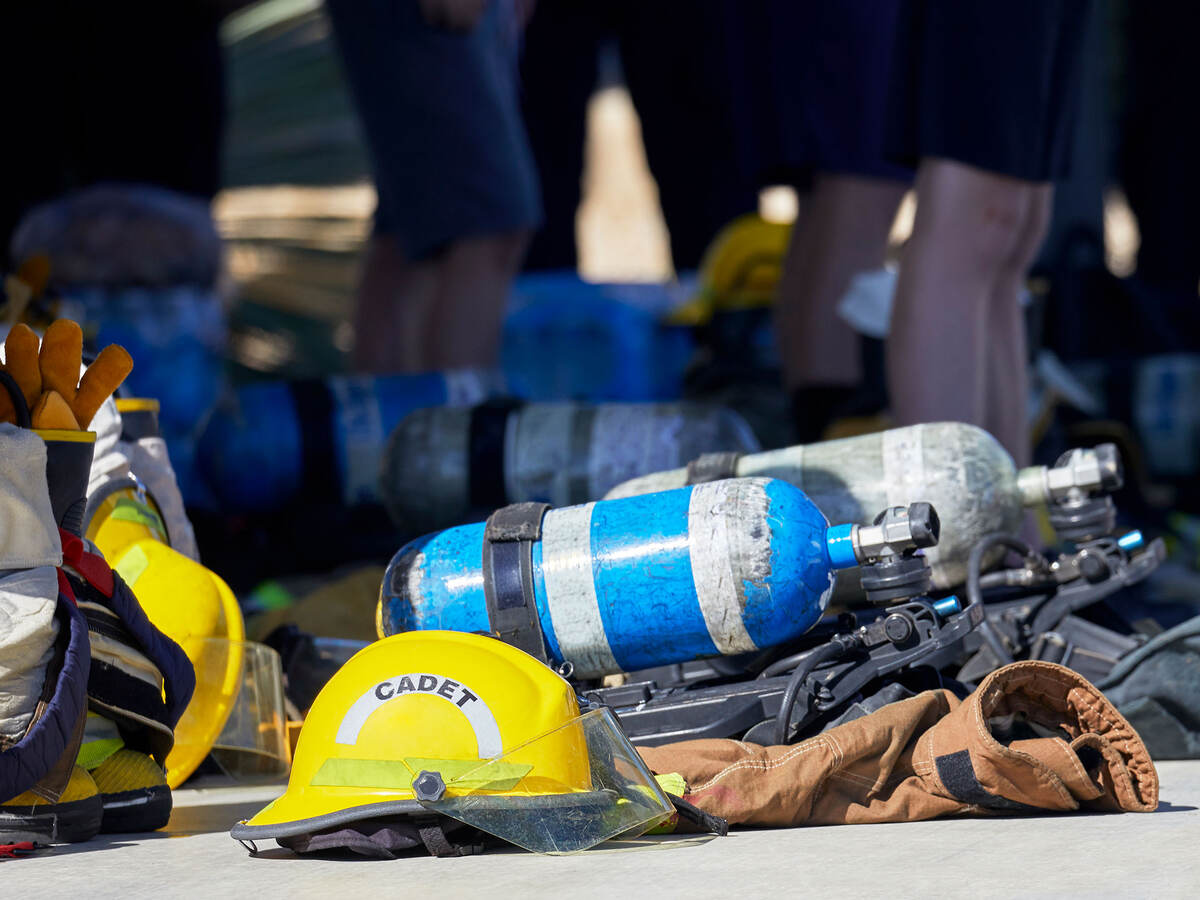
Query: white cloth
[148, 461]
[29, 551]
[28, 532]
[28, 630]
[110, 461]
[151, 464]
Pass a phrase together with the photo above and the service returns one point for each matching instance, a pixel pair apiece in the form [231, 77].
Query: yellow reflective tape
[131, 566]
[395, 774]
[65, 434]
[672, 783]
[137, 404]
[472, 774]
[127, 510]
[93, 753]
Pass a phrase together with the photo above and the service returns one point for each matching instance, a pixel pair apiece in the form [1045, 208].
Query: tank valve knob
[898, 531]
[898, 628]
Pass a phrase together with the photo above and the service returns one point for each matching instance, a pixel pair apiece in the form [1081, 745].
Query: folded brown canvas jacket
[1034, 736]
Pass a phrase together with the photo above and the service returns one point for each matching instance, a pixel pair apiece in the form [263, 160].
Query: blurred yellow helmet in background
[740, 270]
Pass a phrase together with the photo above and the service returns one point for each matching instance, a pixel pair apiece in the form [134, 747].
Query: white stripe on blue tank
[712, 569]
[566, 573]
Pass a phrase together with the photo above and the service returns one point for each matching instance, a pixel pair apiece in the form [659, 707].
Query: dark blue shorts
[991, 83]
[831, 65]
[442, 122]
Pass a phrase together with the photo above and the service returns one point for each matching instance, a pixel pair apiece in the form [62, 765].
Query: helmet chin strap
[433, 836]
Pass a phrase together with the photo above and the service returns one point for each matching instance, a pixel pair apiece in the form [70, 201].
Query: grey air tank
[961, 469]
[443, 466]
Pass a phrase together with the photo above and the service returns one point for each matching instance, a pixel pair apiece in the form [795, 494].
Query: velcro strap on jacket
[508, 540]
[712, 467]
[957, 774]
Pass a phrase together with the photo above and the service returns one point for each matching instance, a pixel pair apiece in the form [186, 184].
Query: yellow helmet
[236, 711]
[458, 729]
[740, 269]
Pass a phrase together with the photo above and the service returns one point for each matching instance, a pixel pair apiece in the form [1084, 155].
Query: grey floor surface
[1156, 855]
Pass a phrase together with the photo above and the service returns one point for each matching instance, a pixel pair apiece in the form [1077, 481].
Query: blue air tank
[274, 441]
[721, 568]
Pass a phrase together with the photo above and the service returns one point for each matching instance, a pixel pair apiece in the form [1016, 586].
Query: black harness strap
[314, 406]
[696, 816]
[508, 541]
[712, 467]
[485, 452]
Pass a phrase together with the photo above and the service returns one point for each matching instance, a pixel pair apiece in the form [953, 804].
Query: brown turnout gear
[1034, 737]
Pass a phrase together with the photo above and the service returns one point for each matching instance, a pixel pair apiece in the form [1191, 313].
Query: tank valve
[889, 551]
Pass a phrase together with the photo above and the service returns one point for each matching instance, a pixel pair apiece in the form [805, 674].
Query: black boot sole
[143, 809]
[55, 823]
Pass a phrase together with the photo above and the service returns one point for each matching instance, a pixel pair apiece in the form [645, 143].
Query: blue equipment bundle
[323, 437]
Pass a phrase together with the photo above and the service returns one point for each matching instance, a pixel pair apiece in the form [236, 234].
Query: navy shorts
[832, 60]
[991, 83]
[442, 121]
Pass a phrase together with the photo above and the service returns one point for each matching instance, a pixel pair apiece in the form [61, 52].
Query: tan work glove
[48, 376]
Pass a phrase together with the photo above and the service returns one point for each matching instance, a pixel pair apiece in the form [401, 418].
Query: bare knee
[983, 216]
[996, 227]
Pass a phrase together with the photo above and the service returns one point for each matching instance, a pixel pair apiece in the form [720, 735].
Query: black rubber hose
[20, 407]
[815, 657]
[975, 589]
[787, 664]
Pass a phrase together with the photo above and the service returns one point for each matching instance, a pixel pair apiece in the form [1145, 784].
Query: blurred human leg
[558, 75]
[1006, 390]
[394, 300]
[454, 175]
[472, 294]
[843, 230]
[968, 228]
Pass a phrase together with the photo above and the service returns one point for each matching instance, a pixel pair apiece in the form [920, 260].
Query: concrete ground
[1061, 856]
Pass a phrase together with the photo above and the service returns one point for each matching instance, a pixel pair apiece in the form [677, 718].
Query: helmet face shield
[616, 796]
[236, 713]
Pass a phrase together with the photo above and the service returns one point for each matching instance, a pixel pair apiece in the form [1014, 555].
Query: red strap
[91, 566]
[12, 851]
[64, 587]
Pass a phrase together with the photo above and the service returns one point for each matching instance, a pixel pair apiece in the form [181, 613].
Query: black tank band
[508, 540]
[318, 457]
[137, 424]
[712, 467]
[485, 452]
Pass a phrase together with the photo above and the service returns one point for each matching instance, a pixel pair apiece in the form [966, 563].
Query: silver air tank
[960, 469]
[444, 465]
